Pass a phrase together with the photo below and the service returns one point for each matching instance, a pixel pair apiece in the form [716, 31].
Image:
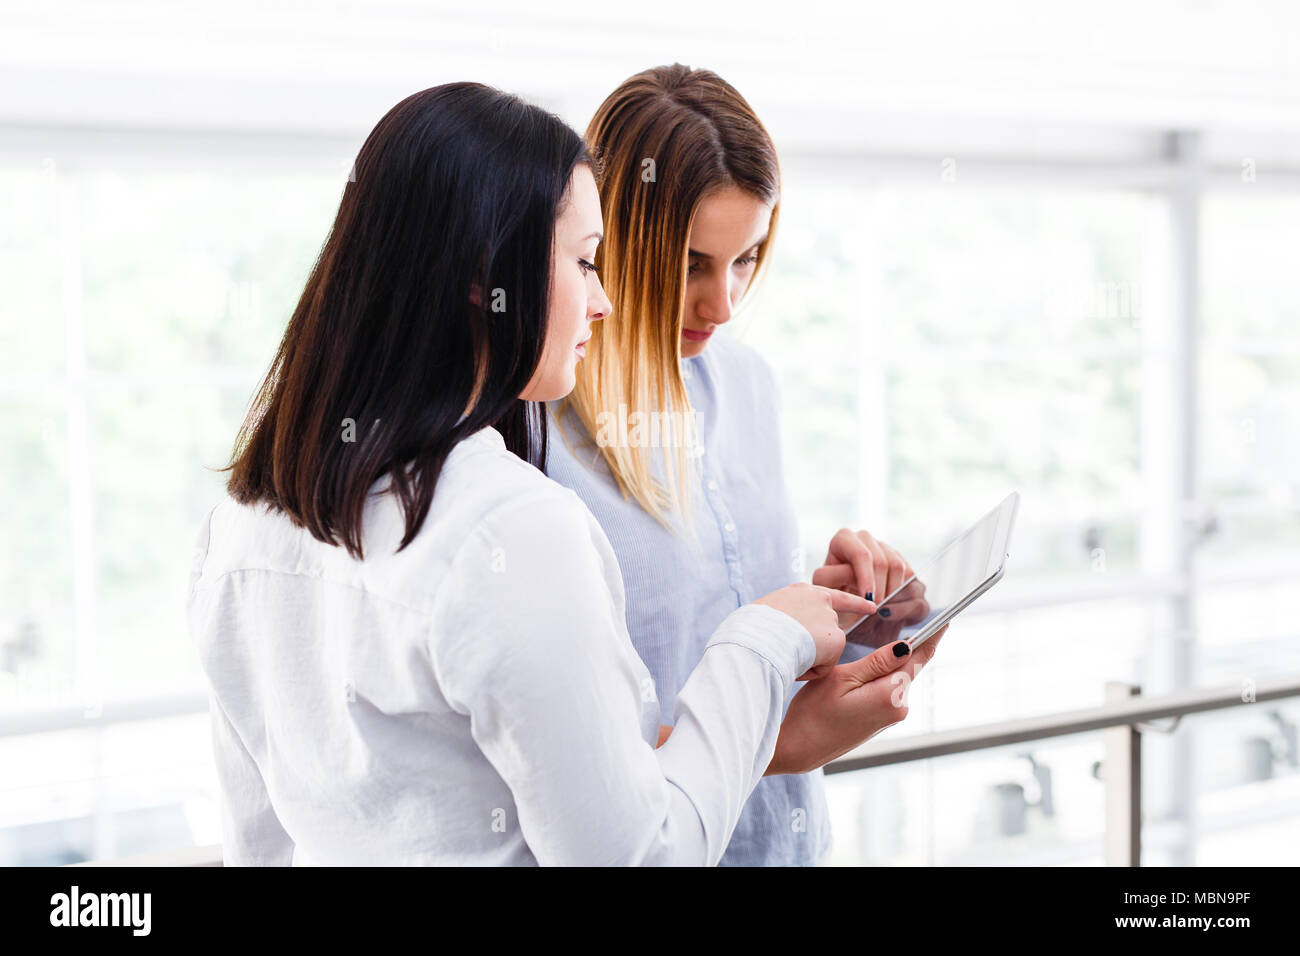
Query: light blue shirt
[748, 547]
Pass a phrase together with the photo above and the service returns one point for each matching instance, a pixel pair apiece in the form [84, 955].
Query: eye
[748, 260]
[587, 267]
[694, 268]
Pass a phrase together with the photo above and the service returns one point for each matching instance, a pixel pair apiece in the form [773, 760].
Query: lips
[692, 336]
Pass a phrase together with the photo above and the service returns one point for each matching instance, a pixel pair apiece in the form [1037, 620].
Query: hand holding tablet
[943, 586]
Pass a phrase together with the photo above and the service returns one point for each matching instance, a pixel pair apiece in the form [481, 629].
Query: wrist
[785, 758]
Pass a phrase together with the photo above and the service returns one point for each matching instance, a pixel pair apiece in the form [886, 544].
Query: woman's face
[576, 298]
[729, 227]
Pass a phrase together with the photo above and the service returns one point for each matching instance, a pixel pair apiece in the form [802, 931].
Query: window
[939, 344]
[143, 303]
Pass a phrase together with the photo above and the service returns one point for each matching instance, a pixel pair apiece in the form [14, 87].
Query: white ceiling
[851, 77]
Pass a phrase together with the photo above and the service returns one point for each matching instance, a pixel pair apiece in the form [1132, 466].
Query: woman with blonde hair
[671, 435]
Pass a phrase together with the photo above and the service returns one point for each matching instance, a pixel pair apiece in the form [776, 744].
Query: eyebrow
[704, 255]
[598, 236]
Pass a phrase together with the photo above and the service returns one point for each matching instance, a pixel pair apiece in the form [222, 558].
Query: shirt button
[713, 485]
[729, 527]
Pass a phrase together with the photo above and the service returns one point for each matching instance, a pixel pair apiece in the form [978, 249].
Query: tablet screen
[941, 585]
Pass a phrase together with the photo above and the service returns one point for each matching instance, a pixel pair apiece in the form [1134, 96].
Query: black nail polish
[884, 612]
[901, 648]
[871, 595]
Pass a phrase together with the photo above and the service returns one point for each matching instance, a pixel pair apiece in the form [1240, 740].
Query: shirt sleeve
[530, 642]
[252, 834]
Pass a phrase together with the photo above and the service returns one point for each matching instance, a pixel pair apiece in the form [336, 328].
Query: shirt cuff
[771, 634]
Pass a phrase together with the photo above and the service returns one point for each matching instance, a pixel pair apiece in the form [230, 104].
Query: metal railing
[1122, 721]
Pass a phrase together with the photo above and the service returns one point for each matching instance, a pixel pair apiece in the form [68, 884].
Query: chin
[551, 391]
[692, 349]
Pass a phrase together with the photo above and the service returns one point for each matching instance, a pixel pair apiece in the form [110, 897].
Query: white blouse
[472, 699]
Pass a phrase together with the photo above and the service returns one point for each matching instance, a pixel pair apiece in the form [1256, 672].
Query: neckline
[488, 433]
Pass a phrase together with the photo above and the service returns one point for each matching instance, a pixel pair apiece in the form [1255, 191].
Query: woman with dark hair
[415, 641]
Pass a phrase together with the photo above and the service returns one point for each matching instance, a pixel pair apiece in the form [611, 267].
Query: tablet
[943, 586]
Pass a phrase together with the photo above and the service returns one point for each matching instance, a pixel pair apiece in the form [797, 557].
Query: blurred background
[1044, 247]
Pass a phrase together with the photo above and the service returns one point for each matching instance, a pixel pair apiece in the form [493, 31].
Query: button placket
[721, 514]
[727, 530]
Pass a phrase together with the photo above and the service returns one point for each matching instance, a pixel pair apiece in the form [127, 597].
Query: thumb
[878, 663]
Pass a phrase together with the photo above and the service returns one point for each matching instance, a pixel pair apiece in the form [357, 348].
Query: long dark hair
[432, 280]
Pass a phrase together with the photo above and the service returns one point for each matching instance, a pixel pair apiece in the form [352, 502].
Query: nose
[598, 305]
[714, 304]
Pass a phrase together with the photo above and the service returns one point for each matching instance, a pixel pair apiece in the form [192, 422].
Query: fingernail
[901, 649]
[871, 595]
[884, 612]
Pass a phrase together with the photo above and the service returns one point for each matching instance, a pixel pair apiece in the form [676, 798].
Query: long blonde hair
[664, 139]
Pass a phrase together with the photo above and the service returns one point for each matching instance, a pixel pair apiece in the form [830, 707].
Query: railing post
[1122, 775]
